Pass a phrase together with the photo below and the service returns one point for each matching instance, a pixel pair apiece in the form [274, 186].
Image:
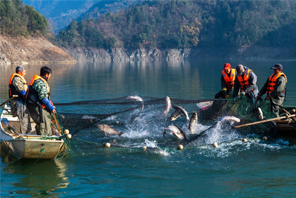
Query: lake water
[253, 169]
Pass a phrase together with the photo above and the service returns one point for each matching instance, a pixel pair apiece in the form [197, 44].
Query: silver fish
[232, 118]
[108, 130]
[168, 105]
[177, 114]
[136, 98]
[182, 110]
[192, 122]
[176, 131]
[227, 118]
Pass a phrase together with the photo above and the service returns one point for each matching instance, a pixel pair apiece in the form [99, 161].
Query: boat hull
[33, 148]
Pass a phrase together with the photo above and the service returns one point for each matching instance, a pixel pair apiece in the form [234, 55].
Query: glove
[48, 104]
[23, 93]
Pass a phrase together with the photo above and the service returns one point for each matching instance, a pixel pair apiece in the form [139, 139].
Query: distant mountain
[60, 13]
[106, 6]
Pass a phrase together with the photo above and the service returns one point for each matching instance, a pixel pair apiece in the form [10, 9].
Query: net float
[66, 131]
[180, 147]
[215, 145]
[265, 138]
[107, 145]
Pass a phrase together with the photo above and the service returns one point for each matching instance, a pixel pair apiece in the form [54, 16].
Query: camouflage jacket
[41, 88]
[17, 82]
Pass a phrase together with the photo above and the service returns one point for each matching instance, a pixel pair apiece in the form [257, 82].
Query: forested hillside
[187, 24]
[19, 19]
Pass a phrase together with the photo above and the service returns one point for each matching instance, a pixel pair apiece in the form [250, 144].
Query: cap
[227, 66]
[239, 69]
[20, 68]
[278, 66]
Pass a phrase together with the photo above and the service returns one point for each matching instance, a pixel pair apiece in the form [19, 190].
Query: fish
[192, 122]
[227, 118]
[176, 131]
[136, 98]
[177, 114]
[232, 118]
[108, 130]
[182, 110]
[168, 105]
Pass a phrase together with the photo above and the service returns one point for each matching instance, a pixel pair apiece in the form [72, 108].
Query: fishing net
[142, 123]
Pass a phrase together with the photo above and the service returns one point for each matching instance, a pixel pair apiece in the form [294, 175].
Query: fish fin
[164, 133]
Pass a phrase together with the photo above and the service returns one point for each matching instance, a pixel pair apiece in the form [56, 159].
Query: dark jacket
[279, 89]
[251, 90]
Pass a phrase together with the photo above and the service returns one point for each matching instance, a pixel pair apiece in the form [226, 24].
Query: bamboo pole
[264, 121]
[57, 123]
[14, 96]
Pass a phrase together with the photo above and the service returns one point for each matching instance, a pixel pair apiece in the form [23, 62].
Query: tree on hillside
[18, 19]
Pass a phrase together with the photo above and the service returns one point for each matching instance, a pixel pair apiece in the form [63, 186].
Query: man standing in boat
[227, 82]
[275, 88]
[18, 86]
[245, 82]
[39, 104]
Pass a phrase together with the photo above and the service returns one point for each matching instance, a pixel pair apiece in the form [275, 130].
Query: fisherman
[18, 86]
[227, 82]
[275, 88]
[245, 83]
[39, 104]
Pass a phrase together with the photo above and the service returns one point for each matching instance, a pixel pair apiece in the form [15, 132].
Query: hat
[278, 66]
[239, 69]
[20, 68]
[227, 66]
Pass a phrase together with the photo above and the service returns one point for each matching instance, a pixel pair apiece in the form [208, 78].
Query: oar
[14, 96]
[264, 121]
[57, 123]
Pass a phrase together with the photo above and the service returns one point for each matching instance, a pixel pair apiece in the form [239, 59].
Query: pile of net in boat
[82, 117]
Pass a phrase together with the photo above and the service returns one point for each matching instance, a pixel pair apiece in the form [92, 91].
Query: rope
[41, 152]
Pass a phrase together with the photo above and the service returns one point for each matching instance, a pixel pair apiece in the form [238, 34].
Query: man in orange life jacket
[245, 82]
[18, 86]
[227, 82]
[39, 104]
[275, 88]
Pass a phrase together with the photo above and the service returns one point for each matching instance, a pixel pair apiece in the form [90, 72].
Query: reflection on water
[43, 178]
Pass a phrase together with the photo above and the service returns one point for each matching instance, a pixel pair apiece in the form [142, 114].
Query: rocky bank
[119, 54]
[21, 50]
[152, 54]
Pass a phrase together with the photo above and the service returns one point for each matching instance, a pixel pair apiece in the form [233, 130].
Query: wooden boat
[27, 146]
[285, 126]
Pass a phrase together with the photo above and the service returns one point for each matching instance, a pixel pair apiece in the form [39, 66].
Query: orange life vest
[244, 80]
[272, 80]
[12, 90]
[36, 77]
[32, 95]
[229, 80]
